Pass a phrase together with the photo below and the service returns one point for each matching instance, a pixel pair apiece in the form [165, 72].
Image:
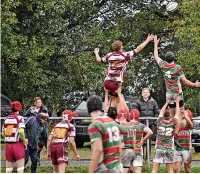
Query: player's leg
[19, 153]
[9, 158]
[157, 160]
[187, 159]
[61, 167]
[169, 167]
[156, 167]
[20, 165]
[55, 169]
[169, 159]
[9, 166]
[177, 161]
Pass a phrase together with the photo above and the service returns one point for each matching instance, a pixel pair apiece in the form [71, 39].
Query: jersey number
[113, 133]
[9, 130]
[165, 131]
[60, 132]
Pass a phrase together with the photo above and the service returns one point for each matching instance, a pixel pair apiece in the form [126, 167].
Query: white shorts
[128, 156]
[184, 156]
[138, 161]
[129, 159]
[163, 156]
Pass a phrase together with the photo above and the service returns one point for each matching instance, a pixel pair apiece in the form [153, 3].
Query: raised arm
[162, 111]
[142, 45]
[156, 42]
[185, 81]
[96, 52]
[106, 105]
[188, 120]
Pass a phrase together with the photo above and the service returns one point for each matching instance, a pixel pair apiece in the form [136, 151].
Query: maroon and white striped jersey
[62, 131]
[117, 65]
[11, 127]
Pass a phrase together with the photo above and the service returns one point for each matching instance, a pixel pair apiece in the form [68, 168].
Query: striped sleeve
[180, 71]
[106, 57]
[131, 54]
[94, 131]
[161, 63]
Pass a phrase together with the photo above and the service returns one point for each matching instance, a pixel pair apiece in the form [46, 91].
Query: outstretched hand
[96, 50]
[156, 40]
[197, 84]
[150, 37]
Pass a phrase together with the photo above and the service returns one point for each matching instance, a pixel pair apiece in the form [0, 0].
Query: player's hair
[112, 112]
[145, 89]
[169, 56]
[94, 103]
[36, 99]
[117, 45]
[166, 114]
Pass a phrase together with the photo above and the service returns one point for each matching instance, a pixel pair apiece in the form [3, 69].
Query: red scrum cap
[189, 113]
[16, 105]
[68, 115]
[123, 113]
[134, 114]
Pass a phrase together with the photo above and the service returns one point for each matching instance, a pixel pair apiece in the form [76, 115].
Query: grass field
[83, 169]
[85, 153]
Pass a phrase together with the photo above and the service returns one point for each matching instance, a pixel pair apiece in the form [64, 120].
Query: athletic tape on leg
[9, 170]
[20, 170]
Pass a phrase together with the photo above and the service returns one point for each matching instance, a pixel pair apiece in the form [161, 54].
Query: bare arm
[73, 147]
[142, 45]
[188, 120]
[96, 154]
[185, 81]
[177, 115]
[106, 106]
[148, 135]
[96, 52]
[48, 145]
[156, 42]
[162, 111]
[122, 101]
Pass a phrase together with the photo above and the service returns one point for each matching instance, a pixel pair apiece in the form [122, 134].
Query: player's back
[62, 131]
[165, 133]
[117, 65]
[172, 73]
[107, 129]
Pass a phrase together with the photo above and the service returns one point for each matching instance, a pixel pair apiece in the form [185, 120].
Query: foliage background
[47, 47]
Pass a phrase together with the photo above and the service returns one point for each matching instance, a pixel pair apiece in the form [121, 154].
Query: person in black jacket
[38, 107]
[35, 127]
[147, 107]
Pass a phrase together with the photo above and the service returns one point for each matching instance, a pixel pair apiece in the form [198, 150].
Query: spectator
[147, 107]
[35, 127]
[34, 111]
[37, 108]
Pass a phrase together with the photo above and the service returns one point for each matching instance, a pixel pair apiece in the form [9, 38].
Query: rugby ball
[171, 6]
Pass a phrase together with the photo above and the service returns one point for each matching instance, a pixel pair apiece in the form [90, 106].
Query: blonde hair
[143, 89]
[117, 45]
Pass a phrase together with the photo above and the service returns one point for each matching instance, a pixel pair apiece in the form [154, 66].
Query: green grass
[84, 169]
[85, 153]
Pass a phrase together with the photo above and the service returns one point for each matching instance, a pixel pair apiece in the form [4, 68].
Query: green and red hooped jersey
[184, 137]
[133, 131]
[172, 74]
[165, 134]
[107, 129]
